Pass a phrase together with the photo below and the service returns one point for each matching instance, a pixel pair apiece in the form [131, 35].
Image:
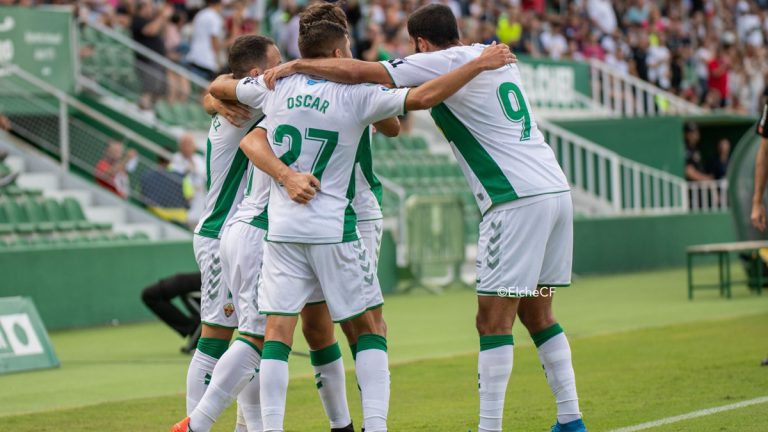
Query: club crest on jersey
[229, 309]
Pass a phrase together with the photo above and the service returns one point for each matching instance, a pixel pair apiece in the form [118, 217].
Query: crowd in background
[710, 52]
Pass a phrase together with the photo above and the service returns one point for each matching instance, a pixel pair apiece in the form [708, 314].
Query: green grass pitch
[642, 352]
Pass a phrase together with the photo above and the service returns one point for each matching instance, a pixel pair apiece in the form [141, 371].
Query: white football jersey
[253, 207]
[367, 201]
[490, 126]
[226, 168]
[316, 126]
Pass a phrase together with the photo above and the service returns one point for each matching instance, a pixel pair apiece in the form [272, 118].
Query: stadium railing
[621, 185]
[708, 195]
[119, 70]
[77, 135]
[629, 96]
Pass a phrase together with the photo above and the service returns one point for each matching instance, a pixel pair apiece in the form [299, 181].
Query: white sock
[248, 403]
[555, 356]
[233, 371]
[331, 384]
[240, 425]
[207, 354]
[274, 384]
[494, 366]
[372, 369]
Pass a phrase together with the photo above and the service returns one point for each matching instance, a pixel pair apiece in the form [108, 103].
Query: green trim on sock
[546, 334]
[353, 348]
[276, 350]
[249, 343]
[213, 347]
[326, 355]
[371, 341]
[495, 341]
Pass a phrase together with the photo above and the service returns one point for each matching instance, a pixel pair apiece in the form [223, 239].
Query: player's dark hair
[434, 23]
[248, 52]
[320, 38]
[322, 11]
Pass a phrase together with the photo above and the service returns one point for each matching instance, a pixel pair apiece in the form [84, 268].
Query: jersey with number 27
[317, 126]
[490, 126]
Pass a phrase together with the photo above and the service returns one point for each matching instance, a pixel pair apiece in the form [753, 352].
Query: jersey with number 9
[490, 126]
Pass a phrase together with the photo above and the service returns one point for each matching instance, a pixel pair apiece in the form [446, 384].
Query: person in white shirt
[526, 235]
[207, 40]
[189, 164]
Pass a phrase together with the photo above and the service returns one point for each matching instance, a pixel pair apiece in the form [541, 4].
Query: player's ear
[254, 72]
[337, 53]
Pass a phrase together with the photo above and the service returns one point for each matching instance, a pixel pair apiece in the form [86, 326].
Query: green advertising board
[40, 41]
[24, 343]
[554, 83]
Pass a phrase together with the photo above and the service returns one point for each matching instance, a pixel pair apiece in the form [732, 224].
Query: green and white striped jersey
[226, 167]
[490, 126]
[316, 126]
[367, 201]
[253, 208]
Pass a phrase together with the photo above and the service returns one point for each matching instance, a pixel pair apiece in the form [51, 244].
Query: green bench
[723, 252]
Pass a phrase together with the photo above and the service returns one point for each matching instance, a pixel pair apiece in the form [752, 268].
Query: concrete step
[15, 163]
[114, 215]
[42, 181]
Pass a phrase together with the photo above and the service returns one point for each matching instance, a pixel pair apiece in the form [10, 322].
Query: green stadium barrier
[77, 286]
[636, 243]
[24, 343]
[435, 238]
[658, 141]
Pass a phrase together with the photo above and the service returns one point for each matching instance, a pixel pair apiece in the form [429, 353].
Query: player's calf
[372, 370]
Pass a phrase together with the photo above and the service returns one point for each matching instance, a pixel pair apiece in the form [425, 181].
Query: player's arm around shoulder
[341, 70]
[301, 187]
[224, 87]
[437, 90]
[388, 127]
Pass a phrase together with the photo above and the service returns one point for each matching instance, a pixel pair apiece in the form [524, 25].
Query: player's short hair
[322, 11]
[434, 23]
[318, 39]
[248, 52]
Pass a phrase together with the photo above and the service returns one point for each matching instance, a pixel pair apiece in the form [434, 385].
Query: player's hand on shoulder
[301, 187]
[495, 56]
[235, 112]
[281, 71]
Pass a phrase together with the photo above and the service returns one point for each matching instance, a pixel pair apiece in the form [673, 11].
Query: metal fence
[78, 136]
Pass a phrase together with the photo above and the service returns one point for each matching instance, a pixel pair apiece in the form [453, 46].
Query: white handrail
[627, 95]
[64, 98]
[620, 184]
[402, 226]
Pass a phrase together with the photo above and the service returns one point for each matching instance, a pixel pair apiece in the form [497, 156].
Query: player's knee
[536, 322]
[488, 324]
[317, 336]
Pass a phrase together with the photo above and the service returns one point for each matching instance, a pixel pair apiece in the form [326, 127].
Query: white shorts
[341, 274]
[370, 233]
[526, 244]
[216, 306]
[242, 249]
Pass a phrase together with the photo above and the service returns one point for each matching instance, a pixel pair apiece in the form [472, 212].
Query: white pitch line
[692, 415]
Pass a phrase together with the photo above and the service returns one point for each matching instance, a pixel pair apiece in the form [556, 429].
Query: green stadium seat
[74, 213]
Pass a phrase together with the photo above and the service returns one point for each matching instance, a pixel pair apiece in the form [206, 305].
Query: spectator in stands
[112, 170]
[717, 70]
[191, 166]
[148, 27]
[720, 165]
[176, 48]
[207, 41]
[694, 164]
[5, 123]
[162, 192]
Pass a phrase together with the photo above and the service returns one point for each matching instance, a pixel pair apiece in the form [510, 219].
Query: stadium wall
[91, 285]
[635, 243]
[100, 284]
